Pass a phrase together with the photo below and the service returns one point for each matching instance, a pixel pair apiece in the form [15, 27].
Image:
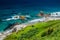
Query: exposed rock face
[41, 13]
[22, 17]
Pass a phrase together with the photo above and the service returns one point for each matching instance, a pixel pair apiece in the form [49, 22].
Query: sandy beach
[20, 26]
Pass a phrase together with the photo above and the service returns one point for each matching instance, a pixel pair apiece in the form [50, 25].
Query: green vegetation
[39, 31]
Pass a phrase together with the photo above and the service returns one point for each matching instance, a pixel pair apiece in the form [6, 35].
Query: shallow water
[8, 12]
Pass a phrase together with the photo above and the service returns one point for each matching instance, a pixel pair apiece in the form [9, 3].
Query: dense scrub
[39, 31]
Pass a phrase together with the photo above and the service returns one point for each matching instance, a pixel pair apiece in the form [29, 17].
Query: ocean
[25, 7]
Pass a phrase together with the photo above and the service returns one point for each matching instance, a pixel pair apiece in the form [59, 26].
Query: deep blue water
[9, 8]
[27, 6]
[6, 13]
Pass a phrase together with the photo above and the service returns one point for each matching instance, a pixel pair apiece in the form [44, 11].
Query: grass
[39, 31]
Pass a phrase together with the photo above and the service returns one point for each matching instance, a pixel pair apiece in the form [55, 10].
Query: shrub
[48, 32]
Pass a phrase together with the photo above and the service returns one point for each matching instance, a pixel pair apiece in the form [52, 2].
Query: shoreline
[18, 27]
[23, 25]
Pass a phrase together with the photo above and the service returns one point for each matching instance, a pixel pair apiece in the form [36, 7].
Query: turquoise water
[5, 24]
[31, 11]
[9, 8]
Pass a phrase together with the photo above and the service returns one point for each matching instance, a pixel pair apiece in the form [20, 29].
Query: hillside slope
[39, 31]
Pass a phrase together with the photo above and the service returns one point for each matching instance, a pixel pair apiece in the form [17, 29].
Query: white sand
[19, 27]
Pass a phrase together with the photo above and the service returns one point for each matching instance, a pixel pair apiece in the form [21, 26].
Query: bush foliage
[39, 31]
